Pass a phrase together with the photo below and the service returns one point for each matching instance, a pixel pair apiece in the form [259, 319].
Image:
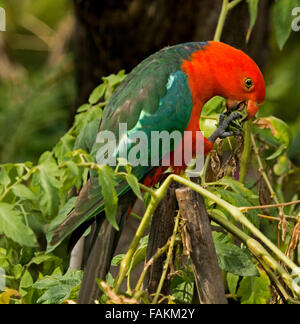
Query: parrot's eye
[249, 83]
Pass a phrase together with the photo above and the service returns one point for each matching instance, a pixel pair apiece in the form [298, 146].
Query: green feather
[154, 97]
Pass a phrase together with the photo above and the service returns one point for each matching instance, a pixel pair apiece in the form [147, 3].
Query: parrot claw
[221, 131]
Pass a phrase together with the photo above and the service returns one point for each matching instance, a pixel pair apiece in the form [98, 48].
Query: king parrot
[166, 92]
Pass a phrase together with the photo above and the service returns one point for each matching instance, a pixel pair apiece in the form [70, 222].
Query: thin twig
[167, 262]
[226, 7]
[276, 219]
[247, 208]
[283, 222]
[245, 158]
[157, 255]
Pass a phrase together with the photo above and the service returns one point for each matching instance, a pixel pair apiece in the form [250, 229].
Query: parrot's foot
[221, 131]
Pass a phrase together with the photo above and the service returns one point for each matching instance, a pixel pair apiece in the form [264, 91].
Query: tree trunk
[114, 35]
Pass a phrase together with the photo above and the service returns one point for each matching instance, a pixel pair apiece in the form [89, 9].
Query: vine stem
[125, 263]
[245, 158]
[167, 262]
[226, 7]
[234, 211]
[158, 254]
[261, 170]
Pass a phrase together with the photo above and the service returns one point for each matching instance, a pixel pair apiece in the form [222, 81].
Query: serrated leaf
[234, 260]
[17, 271]
[64, 146]
[55, 295]
[134, 185]
[106, 177]
[255, 290]
[59, 288]
[238, 188]
[282, 19]
[280, 131]
[47, 182]
[23, 192]
[239, 201]
[11, 224]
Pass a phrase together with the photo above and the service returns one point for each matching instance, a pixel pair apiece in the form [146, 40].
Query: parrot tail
[100, 248]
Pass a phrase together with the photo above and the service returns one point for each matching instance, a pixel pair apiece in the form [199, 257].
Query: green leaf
[140, 254]
[23, 192]
[39, 259]
[282, 166]
[64, 146]
[116, 261]
[279, 130]
[62, 215]
[282, 19]
[4, 178]
[182, 285]
[87, 136]
[97, 94]
[26, 282]
[239, 201]
[11, 224]
[58, 288]
[134, 185]
[47, 182]
[255, 290]
[234, 260]
[106, 177]
[212, 109]
[252, 5]
[232, 282]
[83, 108]
[214, 106]
[72, 166]
[238, 188]
[17, 271]
[55, 295]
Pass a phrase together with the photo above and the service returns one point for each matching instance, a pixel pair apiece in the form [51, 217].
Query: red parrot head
[238, 78]
[227, 72]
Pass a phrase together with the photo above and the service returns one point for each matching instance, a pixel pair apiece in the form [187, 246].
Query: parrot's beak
[250, 106]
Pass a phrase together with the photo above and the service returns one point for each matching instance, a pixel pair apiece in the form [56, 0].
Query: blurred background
[54, 52]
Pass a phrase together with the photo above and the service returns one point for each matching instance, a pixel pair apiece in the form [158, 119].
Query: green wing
[154, 97]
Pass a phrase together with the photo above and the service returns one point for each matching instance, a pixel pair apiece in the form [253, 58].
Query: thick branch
[208, 276]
